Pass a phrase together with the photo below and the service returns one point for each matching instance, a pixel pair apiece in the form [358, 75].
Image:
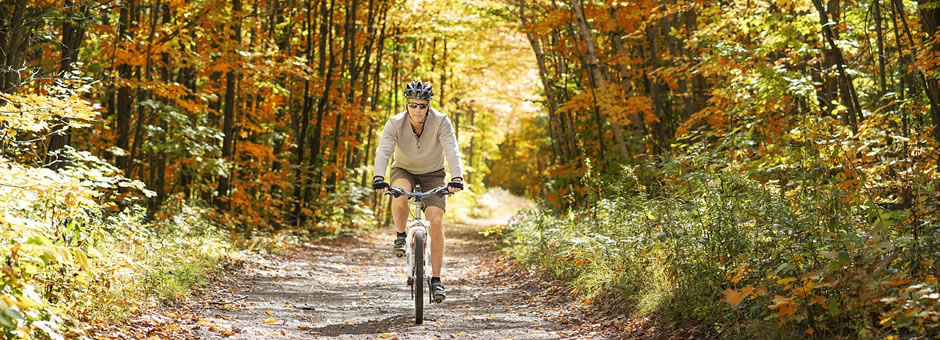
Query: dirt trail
[354, 288]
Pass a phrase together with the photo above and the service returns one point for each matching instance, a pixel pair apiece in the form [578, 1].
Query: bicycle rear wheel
[419, 275]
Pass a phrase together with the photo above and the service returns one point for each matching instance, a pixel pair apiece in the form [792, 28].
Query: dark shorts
[427, 181]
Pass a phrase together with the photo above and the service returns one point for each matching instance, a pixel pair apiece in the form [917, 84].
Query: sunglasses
[417, 106]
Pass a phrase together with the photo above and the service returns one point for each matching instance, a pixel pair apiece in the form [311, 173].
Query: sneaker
[438, 290]
[400, 245]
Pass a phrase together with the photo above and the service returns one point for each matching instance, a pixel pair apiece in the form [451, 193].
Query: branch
[18, 187]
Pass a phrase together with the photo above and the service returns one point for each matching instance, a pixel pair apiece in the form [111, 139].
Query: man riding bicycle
[420, 137]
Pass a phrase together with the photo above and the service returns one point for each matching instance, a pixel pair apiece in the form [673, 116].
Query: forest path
[354, 288]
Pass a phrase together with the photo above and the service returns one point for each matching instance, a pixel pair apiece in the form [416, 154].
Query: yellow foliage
[734, 297]
[35, 113]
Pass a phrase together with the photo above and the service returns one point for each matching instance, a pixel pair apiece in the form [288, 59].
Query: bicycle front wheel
[419, 275]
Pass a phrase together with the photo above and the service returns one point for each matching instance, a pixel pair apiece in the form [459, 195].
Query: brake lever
[394, 192]
[443, 191]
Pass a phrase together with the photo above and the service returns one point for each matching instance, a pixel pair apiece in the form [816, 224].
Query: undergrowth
[715, 248]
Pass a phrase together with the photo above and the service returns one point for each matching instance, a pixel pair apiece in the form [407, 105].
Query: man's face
[415, 110]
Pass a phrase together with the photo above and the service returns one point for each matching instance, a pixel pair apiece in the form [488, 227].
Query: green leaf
[37, 240]
[14, 314]
[6, 321]
[844, 257]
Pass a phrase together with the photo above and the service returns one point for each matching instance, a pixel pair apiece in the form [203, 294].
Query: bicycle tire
[419, 276]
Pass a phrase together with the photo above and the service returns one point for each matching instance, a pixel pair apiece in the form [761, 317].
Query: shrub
[715, 247]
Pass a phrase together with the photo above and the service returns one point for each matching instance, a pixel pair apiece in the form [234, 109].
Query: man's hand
[455, 185]
[378, 183]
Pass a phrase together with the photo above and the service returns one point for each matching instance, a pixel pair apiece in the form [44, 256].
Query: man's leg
[435, 215]
[400, 215]
[434, 212]
[400, 205]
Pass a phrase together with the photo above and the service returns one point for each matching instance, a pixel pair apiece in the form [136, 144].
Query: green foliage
[71, 260]
[176, 254]
[76, 246]
[186, 137]
[343, 210]
[718, 248]
[780, 181]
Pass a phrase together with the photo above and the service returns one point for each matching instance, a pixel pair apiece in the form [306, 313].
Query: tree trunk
[848, 89]
[334, 152]
[186, 76]
[686, 97]
[376, 80]
[585, 69]
[302, 175]
[73, 34]
[554, 125]
[443, 74]
[143, 116]
[367, 152]
[13, 45]
[360, 154]
[903, 61]
[160, 159]
[472, 170]
[881, 50]
[348, 48]
[653, 86]
[616, 39]
[228, 116]
[366, 61]
[829, 90]
[597, 77]
[569, 136]
[378, 65]
[124, 100]
[363, 152]
[929, 90]
[930, 17]
[315, 155]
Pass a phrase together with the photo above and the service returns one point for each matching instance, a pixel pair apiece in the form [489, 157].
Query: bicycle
[418, 246]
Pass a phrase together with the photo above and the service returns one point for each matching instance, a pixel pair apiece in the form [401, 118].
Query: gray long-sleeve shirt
[419, 155]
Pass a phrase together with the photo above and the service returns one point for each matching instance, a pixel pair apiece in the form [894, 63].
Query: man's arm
[451, 148]
[384, 151]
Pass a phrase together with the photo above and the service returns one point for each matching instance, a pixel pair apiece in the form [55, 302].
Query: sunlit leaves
[849, 208]
[35, 113]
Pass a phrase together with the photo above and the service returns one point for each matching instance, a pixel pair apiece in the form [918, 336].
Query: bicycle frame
[413, 225]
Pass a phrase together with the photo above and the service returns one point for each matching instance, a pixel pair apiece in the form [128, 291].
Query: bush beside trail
[718, 249]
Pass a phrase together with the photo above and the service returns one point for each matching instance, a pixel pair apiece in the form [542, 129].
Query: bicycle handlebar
[440, 191]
